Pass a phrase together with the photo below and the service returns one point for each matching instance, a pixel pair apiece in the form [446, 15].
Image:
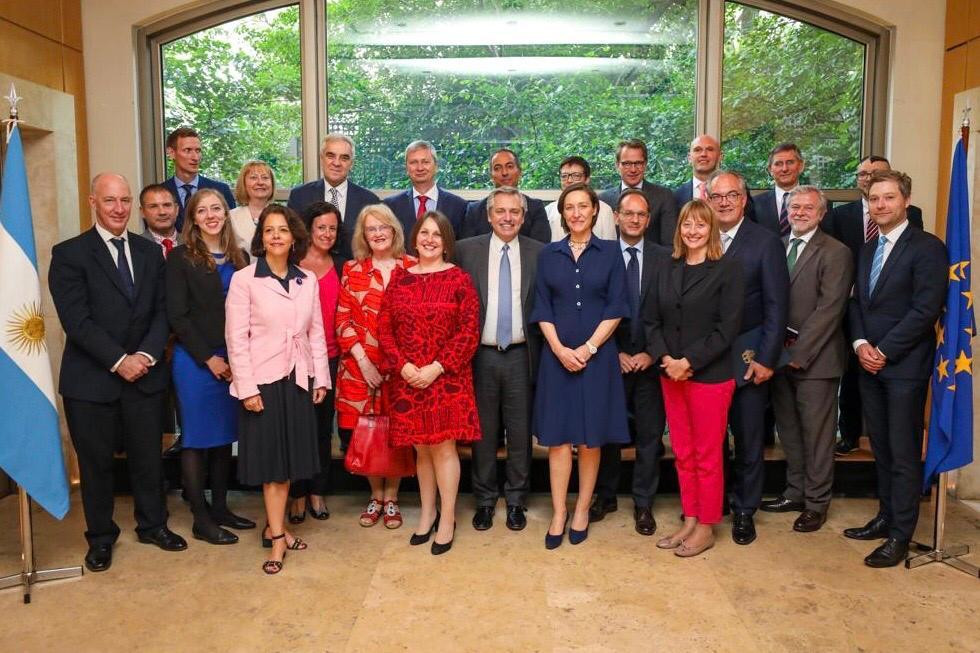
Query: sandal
[271, 567]
[371, 514]
[392, 515]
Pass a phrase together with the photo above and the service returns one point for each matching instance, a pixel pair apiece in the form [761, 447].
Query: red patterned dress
[425, 318]
[361, 290]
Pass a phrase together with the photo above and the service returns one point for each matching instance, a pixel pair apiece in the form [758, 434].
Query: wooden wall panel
[29, 56]
[957, 21]
[71, 23]
[956, 78]
[75, 85]
[41, 16]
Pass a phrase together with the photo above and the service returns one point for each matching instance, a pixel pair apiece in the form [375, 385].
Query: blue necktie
[876, 264]
[123, 264]
[188, 191]
[504, 308]
[633, 286]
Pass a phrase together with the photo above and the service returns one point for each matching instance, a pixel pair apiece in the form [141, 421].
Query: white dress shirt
[341, 197]
[731, 233]
[605, 224]
[184, 196]
[890, 239]
[489, 335]
[804, 241]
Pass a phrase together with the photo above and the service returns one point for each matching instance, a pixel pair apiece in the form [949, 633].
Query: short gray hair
[505, 190]
[337, 136]
[709, 185]
[806, 190]
[420, 145]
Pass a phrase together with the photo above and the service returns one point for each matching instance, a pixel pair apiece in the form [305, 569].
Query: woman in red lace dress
[379, 250]
[429, 330]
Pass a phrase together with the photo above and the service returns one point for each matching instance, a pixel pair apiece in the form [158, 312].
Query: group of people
[596, 321]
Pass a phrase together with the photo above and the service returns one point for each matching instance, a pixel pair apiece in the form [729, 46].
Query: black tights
[193, 473]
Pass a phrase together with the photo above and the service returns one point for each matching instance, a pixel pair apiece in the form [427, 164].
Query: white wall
[916, 80]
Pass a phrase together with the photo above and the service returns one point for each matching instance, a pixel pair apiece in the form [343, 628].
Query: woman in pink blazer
[278, 357]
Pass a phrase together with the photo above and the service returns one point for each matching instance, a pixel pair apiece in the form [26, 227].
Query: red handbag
[369, 452]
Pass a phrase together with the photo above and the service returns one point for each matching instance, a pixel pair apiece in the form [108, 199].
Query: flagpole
[29, 575]
[940, 552]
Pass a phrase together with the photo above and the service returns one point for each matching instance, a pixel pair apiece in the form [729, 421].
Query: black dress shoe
[644, 521]
[99, 557]
[743, 529]
[782, 504]
[889, 554]
[322, 515]
[213, 534]
[483, 519]
[875, 529]
[809, 521]
[845, 447]
[600, 508]
[231, 520]
[164, 538]
[516, 521]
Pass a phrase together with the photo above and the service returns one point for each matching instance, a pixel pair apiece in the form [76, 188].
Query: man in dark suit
[336, 160]
[704, 156]
[158, 206]
[641, 376]
[184, 149]
[899, 290]
[502, 265]
[804, 391]
[108, 288]
[852, 225]
[505, 170]
[422, 164]
[771, 208]
[759, 343]
[631, 162]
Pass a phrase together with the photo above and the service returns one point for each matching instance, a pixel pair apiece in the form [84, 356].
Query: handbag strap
[371, 408]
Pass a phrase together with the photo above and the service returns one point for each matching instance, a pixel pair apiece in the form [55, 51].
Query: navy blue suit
[766, 305]
[358, 197]
[766, 213]
[898, 318]
[450, 205]
[202, 182]
[535, 225]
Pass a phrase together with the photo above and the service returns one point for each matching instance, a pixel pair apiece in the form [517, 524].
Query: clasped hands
[573, 360]
[634, 363]
[133, 367]
[421, 377]
[255, 405]
[676, 369]
[871, 358]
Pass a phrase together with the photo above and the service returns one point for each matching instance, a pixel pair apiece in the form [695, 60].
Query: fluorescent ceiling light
[507, 66]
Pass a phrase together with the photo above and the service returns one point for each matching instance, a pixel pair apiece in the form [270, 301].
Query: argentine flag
[30, 438]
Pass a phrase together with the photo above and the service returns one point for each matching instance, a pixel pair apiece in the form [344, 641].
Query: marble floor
[358, 589]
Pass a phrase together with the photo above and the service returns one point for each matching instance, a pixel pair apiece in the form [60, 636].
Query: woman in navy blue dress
[580, 296]
[198, 275]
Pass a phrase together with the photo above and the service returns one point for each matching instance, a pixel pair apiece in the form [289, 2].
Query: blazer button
[578, 303]
[577, 286]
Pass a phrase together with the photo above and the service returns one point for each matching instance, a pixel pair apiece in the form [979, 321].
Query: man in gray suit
[158, 206]
[503, 264]
[804, 391]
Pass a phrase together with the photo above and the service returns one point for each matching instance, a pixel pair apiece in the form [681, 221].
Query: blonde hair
[241, 195]
[383, 214]
[700, 211]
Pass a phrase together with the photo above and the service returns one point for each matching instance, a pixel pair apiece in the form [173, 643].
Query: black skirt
[280, 443]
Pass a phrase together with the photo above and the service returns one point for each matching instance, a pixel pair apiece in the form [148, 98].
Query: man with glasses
[757, 348]
[573, 170]
[631, 162]
[505, 170]
[851, 224]
[772, 207]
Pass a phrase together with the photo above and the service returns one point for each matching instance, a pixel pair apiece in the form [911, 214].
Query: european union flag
[30, 438]
[951, 418]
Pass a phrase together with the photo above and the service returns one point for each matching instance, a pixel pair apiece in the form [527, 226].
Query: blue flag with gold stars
[951, 418]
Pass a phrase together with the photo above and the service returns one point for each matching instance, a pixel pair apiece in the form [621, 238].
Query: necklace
[577, 246]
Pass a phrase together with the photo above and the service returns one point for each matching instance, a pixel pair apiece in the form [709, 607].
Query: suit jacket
[202, 182]
[899, 317]
[663, 210]
[695, 318]
[302, 196]
[101, 322]
[195, 305]
[535, 225]
[766, 279]
[766, 213]
[450, 205]
[633, 341]
[846, 224]
[820, 284]
[473, 255]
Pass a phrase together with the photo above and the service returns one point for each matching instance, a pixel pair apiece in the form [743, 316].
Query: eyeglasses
[572, 176]
[377, 230]
[863, 175]
[632, 164]
[628, 215]
[730, 197]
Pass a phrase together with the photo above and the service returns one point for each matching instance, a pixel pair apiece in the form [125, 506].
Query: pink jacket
[269, 332]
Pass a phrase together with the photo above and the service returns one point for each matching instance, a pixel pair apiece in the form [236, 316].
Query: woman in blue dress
[580, 296]
[198, 275]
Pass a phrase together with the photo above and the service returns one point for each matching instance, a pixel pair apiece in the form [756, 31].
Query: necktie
[334, 197]
[870, 230]
[633, 286]
[418, 216]
[188, 191]
[123, 264]
[703, 192]
[876, 263]
[504, 308]
[726, 240]
[167, 246]
[784, 216]
[794, 252]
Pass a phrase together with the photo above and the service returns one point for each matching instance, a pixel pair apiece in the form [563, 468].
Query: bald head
[704, 156]
[112, 201]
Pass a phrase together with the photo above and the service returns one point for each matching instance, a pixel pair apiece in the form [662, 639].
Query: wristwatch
[592, 348]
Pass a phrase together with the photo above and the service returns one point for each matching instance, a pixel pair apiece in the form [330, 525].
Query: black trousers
[135, 419]
[320, 483]
[849, 423]
[747, 420]
[645, 405]
[894, 409]
[502, 385]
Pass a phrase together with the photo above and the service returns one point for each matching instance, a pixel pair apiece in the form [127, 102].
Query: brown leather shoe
[809, 521]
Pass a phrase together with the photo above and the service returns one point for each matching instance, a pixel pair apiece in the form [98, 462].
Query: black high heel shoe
[439, 549]
[554, 541]
[321, 515]
[416, 540]
[296, 518]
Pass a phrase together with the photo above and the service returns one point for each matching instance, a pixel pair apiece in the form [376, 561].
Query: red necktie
[167, 246]
[703, 191]
[871, 230]
[422, 200]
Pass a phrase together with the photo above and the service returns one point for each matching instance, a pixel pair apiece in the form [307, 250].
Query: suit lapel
[647, 272]
[274, 285]
[810, 252]
[893, 257]
[483, 272]
[677, 277]
[526, 264]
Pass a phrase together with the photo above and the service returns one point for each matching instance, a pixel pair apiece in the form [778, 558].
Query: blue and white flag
[30, 438]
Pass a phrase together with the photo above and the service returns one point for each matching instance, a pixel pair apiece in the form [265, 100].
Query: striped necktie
[876, 264]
